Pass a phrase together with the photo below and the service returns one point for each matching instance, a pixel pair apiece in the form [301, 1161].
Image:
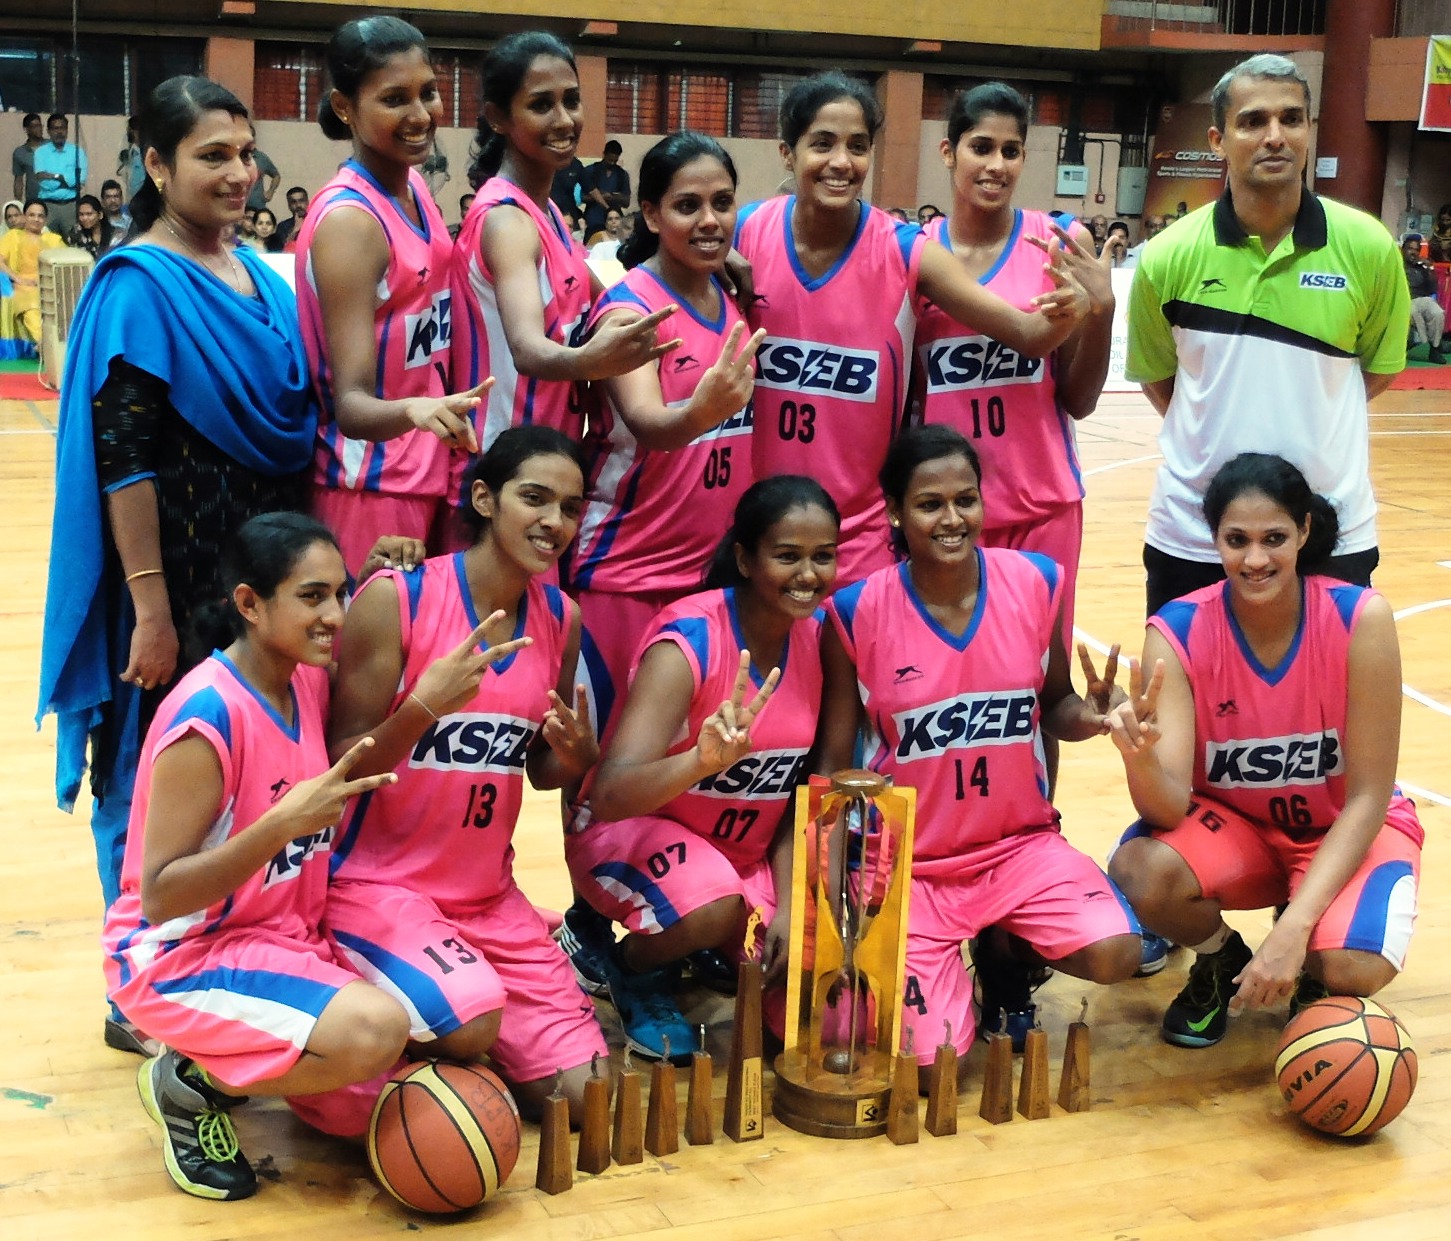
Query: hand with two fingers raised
[570, 732]
[725, 737]
[449, 417]
[315, 805]
[1100, 693]
[452, 680]
[621, 345]
[726, 386]
[1133, 723]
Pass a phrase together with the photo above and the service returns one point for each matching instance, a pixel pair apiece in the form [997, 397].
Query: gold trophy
[850, 890]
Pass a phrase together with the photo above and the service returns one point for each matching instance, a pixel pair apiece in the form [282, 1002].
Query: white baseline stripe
[1104, 469]
[1416, 791]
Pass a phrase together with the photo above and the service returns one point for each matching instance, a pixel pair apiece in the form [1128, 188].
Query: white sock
[1214, 943]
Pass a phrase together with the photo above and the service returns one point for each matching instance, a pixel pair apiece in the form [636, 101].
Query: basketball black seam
[488, 1145]
[413, 1149]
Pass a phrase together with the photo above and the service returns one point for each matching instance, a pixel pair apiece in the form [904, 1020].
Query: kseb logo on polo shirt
[1322, 280]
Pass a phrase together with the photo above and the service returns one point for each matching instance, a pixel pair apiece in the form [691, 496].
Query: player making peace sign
[424, 900]
[954, 661]
[1261, 754]
[213, 946]
[671, 451]
[521, 287]
[681, 832]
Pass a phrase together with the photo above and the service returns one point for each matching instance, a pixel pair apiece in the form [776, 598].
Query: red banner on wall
[1436, 97]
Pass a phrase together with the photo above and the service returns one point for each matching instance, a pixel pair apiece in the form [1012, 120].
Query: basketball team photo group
[631, 675]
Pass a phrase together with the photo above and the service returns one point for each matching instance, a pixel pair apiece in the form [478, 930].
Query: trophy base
[832, 1105]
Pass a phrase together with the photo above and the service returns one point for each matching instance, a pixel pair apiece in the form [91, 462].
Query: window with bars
[648, 98]
[289, 78]
[115, 76]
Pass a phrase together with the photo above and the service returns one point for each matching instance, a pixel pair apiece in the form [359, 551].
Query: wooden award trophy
[851, 885]
[744, 1120]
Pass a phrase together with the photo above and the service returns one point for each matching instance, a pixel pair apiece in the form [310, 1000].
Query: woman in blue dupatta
[185, 410]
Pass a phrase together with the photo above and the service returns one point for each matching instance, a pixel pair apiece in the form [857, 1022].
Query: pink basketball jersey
[481, 349]
[1006, 404]
[653, 518]
[1270, 742]
[831, 375]
[956, 718]
[738, 809]
[262, 756]
[445, 829]
[412, 322]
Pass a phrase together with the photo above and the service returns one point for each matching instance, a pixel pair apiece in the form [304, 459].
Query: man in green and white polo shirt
[1263, 323]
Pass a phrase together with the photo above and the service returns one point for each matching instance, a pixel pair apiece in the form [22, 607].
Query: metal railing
[1235, 17]
[1415, 18]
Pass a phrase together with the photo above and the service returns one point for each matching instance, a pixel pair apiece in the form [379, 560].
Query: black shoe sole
[123, 1036]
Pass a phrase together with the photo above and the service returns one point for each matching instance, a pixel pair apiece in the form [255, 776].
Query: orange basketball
[443, 1137]
[1346, 1066]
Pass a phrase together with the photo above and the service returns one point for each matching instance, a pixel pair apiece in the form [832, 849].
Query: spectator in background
[22, 159]
[61, 170]
[435, 170]
[565, 192]
[465, 201]
[264, 232]
[926, 213]
[1116, 244]
[899, 213]
[1153, 226]
[93, 232]
[1440, 239]
[1098, 226]
[603, 185]
[20, 260]
[113, 203]
[130, 167]
[1428, 320]
[268, 179]
[297, 203]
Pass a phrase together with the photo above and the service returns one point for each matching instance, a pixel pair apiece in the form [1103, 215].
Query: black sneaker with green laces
[198, 1141]
[1308, 989]
[1199, 1015]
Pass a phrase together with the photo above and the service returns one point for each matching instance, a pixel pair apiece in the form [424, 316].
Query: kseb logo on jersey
[429, 331]
[764, 775]
[1322, 280]
[974, 362]
[805, 366]
[742, 422]
[1001, 718]
[288, 861]
[1301, 758]
[474, 741]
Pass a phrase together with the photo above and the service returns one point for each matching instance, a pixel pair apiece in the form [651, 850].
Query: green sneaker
[1199, 1015]
[198, 1141]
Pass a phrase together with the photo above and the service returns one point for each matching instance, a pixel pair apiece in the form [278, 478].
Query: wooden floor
[1178, 1143]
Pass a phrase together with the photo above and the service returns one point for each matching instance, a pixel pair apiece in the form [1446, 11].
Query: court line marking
[1114, 465]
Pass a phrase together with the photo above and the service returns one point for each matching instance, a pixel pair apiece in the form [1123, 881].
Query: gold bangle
[131, 577]
[424, 705]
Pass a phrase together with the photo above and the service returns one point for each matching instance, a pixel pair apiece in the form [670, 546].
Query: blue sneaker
[587, 938]
[648, 1012]
[1005, 990]
[1155, 954]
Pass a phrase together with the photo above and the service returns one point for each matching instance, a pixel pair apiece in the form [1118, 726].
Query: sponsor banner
[1183, 172]
[1436, 94]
